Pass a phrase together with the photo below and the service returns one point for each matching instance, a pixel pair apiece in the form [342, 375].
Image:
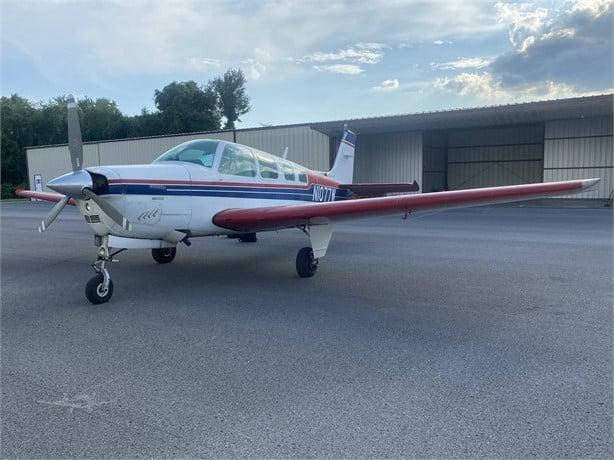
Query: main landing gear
[248, 238]
[307, 258]
[164, 255]
[306, 263]
[243, 237]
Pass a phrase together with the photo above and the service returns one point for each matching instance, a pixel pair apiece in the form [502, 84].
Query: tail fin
[343, 168]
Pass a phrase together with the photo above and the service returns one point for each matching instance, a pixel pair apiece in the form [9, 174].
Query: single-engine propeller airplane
[212, 187]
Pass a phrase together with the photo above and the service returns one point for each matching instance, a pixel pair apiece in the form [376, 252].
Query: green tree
[185, 107]
[232, 96]
[101, 119]
[17, 115]
[145, 124]
[50, 123]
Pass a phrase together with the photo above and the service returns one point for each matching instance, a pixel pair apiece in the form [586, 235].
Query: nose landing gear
[99, 288]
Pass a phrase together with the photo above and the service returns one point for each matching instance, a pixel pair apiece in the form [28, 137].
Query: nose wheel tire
[306, 264]
[164, 255]
[96, 292]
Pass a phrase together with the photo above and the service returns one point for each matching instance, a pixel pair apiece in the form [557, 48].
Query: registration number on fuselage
[323, 193]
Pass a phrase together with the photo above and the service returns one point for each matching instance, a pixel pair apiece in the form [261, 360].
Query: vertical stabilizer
[343, 168]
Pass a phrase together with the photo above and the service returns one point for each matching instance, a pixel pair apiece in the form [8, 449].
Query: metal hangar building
[445, 150]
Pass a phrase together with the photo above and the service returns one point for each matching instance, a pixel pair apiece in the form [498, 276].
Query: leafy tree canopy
[186, 107]
[232, 95]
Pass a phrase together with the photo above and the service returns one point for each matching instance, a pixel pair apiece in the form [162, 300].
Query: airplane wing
[45, 196]
[279, 217]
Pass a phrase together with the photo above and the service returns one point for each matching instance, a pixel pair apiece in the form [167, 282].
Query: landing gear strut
[99, 289]
[306, 263]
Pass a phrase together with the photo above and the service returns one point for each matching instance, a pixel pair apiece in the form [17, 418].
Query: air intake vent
[100, 183]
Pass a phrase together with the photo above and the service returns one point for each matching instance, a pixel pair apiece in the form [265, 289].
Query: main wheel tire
[248, 238]
[306, 265]
[164, 255]
[94, 290]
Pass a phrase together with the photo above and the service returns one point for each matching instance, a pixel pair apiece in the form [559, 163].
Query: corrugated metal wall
[140, 151]
[305, 146]
[393, 157]
[495, 156]
[434, 161]
[580, 149]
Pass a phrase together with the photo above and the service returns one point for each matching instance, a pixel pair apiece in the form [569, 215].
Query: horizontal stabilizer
[371, 190]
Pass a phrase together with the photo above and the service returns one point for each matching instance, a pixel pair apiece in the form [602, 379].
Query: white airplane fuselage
[160, 198]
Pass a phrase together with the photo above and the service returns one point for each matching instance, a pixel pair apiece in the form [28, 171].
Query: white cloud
[442, 42]
[387, 85]
[463, 63]
[485, 87]
[347, 69]
[356, 55]
[203, 64]
[522, 19]
[571, 46]
[479, 85]
[253, 69]
[593, 7]
[371, 46]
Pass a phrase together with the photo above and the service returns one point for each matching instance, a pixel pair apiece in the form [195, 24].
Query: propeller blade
[108, 209]
[75, 144]
[53, 214]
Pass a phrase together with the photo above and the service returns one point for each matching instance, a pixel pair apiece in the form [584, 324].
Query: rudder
[343, 168]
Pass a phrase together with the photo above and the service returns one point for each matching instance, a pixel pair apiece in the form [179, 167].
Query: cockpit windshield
[200, 152]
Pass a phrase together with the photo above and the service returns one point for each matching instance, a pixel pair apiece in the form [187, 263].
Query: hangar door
[488, 157]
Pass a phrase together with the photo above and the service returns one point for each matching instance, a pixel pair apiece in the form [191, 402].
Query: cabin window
[268, 167]
[288, 170]
[237, 161]
[302, 177]
[200, 152]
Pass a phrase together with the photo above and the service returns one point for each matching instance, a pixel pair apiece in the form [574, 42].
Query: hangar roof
[522, 113]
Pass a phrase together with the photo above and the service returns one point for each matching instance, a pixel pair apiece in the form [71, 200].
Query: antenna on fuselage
[285, 154]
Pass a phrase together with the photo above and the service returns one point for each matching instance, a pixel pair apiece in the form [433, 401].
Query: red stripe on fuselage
[313, 178]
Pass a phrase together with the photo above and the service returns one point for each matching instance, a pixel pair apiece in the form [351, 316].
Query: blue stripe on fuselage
[272, 193]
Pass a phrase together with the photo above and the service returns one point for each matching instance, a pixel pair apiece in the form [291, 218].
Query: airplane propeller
[46, 222]
[78, 183]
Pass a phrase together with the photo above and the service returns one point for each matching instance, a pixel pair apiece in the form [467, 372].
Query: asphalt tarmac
[478, 332]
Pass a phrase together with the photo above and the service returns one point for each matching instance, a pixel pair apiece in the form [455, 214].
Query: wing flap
[45, 196]
[278, 217]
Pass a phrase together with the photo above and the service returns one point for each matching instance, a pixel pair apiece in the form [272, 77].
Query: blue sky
[311, 60]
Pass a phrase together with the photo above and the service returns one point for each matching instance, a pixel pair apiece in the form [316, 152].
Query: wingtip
[588, 183]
